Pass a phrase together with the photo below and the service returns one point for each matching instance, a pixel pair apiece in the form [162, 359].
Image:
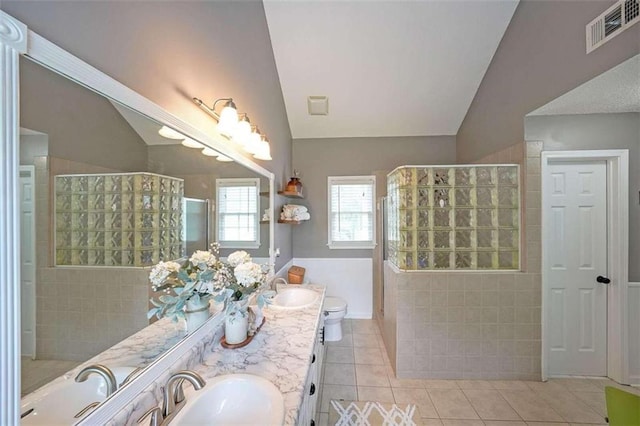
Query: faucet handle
[178, 395]
[155, 416]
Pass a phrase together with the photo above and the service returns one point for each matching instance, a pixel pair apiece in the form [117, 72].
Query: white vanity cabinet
[309, 412]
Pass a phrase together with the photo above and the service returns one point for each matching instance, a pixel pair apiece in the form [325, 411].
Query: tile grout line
[471, 404]
[503, 398]
[589, 407]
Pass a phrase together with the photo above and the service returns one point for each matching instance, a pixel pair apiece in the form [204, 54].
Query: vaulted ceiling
[388, 68]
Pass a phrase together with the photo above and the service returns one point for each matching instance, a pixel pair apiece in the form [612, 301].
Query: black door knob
[313, 389]
[603, 280]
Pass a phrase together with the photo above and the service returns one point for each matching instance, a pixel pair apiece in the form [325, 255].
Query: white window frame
[362, 180]
[226, 182]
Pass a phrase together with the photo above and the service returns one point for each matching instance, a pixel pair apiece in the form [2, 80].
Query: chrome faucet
[274, 283]
[130, 376]
[173, 397]
[104, 372]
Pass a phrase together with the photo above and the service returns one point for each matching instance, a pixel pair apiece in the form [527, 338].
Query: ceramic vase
[196, 313]
[236, 323]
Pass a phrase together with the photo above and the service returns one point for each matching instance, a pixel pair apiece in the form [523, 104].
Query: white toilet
[335, 309]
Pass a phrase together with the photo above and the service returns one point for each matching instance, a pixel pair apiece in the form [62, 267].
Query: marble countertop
[137, 350]
[280, 352]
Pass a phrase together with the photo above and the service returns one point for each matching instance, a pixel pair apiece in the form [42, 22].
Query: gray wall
[173, 51]
[598, 131]
[32, 146]
[541, 56]
[316, 159]
[81, 126]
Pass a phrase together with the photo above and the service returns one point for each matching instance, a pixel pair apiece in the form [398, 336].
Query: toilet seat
[334, 304]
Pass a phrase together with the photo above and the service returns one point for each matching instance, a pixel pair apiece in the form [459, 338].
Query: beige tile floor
[35, 373]
[358, 368]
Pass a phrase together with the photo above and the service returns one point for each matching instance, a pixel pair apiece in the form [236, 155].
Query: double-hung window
[351, 212]
[237, 213]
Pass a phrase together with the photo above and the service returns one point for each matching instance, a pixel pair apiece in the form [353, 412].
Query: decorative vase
[294, 185]
[236, 322]
[196, 313]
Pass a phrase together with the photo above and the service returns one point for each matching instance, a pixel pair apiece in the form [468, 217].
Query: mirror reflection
[105, 196]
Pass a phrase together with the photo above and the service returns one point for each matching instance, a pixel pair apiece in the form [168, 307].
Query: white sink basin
[233, 399]
[58, 403]
[294, 298]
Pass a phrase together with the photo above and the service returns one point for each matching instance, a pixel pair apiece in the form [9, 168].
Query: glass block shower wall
[463, 217]
[132, 219]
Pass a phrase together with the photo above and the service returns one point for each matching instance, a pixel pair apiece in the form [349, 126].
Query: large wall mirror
[105, 195]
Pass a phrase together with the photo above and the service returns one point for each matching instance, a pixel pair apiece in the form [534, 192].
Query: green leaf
[190, 286]
[183, 276]
[207, 275]
[168, 299]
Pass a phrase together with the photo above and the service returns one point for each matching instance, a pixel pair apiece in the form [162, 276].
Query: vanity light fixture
[169, 133]
[210, 152]
[253, 141]
[224, 158]
[241, 132]
[228, 117]
[263, 151]
[190, 143]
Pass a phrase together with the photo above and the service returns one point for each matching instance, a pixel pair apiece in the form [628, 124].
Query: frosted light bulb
[224, 158]
[210, 152]
[169, 133]
[228, 121]
[190, 143]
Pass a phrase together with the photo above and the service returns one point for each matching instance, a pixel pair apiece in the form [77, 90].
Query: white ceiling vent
[612, 22]
[318, 105]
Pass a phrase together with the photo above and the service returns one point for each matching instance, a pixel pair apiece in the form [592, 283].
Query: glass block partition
[462, 217]
[132, 219]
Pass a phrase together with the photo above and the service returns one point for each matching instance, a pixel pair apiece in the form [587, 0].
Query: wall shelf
[290, 222]
[290, 194]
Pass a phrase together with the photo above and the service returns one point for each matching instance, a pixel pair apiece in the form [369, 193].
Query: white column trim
[13, 42]
[618, 255]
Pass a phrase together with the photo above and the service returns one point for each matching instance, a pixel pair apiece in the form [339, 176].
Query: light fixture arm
[211, 110]
[206, 108]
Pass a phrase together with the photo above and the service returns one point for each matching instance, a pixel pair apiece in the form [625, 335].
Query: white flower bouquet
[204, 275]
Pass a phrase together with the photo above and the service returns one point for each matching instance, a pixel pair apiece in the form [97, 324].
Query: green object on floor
[623, 408]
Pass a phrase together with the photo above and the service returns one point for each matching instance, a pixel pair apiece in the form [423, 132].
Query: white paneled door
[575, 256]
[27, 261]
